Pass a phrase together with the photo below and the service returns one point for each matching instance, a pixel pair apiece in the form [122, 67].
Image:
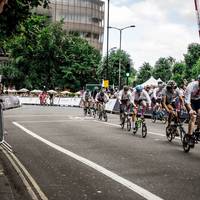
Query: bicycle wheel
[122, 122]
[89, 112]
[182, 133]
[94, 113]
[153, 118]
[105, 116]
[169, 133]
[128, 124]
[164, 119]
[100, 115]
[144, 130]
[85, 111]
[186, 146]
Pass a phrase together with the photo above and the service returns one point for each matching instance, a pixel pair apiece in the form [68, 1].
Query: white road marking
[137, 189]
[148, 132]
[12, 160]
[86, 118]
[22, 116]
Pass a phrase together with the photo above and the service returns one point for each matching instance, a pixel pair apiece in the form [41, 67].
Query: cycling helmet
[139, 88]
[102, 93]
[126, 88]
[160, 84]
[171, 84]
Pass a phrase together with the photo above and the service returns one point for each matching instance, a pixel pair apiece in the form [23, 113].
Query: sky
[163, 28]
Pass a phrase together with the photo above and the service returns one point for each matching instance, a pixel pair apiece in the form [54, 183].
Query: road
[74, 157]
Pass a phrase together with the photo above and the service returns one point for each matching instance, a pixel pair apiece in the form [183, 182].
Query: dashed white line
[132, 186]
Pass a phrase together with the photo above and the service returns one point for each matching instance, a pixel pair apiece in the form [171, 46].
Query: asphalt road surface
[72, 157]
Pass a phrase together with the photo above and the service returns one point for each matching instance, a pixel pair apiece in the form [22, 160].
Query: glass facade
[83, 16]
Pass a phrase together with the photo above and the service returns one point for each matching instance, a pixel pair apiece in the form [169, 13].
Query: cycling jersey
[157, 93]
[171, 97]
[124, 97]
[136, 97]
[102, 99]
[192, 92]
[86, 96]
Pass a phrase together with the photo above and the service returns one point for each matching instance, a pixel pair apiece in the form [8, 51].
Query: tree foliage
[163, 68]
[14, 13]
[144, 73]
[113, 67]
[178, 72]
[196, 69]
[191, 58]
[42, 54]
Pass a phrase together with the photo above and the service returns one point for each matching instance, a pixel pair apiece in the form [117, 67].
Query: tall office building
[83, 16]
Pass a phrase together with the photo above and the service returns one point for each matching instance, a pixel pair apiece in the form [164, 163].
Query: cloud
[163, 28]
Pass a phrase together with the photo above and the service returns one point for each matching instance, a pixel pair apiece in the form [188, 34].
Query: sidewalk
[5, 187]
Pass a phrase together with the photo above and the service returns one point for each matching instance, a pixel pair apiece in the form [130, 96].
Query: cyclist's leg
[134, 117]
[154, 105]
[170, 107]
[143, 103]
[192, 121]
[122, 106]
[198, 119]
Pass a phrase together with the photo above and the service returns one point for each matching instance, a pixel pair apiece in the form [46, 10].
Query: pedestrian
[51, 99]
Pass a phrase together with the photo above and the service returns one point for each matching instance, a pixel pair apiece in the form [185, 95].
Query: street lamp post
[108, 21]
[120, 47]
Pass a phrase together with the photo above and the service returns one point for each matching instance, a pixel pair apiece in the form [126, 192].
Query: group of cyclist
[165, 96]
[95, 99]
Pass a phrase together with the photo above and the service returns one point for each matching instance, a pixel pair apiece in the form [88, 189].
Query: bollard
[1, 124]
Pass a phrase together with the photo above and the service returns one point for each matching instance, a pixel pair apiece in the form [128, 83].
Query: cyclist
[140, 97]
[87, 99]
[124, 98]
[101, 98]
[157, 97]
[94, 103]
[192, 100]
[171, 96]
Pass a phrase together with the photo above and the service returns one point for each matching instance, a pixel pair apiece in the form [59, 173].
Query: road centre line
[148, 132]
[116, 125]
[82, 119]
[22, 116]
[132, 186]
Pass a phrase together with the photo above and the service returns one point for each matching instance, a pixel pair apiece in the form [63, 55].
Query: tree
[43, 54]
[196, 69]
[178, 72]
[191, 58]
[162, 68]
[113, 67]
[14, 13]
[2, 4]
[144, 73]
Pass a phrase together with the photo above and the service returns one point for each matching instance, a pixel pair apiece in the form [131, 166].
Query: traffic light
[128, 68]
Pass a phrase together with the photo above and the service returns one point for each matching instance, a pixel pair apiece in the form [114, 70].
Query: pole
[1, 124]
[120, 47]
[126, 80]
[108, 21]
[55, 10]
[197, 13]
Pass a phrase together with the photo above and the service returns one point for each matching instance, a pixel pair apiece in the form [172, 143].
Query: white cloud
[163, 28]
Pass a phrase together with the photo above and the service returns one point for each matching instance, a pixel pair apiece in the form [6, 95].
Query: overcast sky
[163, 28]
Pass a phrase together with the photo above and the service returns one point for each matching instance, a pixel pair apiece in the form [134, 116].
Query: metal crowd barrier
[3, 143]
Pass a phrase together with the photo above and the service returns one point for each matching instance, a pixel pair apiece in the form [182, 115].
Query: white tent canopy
[159, 80]
[65, 92]
[23, 90]
[52, 92]
[151, 81]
